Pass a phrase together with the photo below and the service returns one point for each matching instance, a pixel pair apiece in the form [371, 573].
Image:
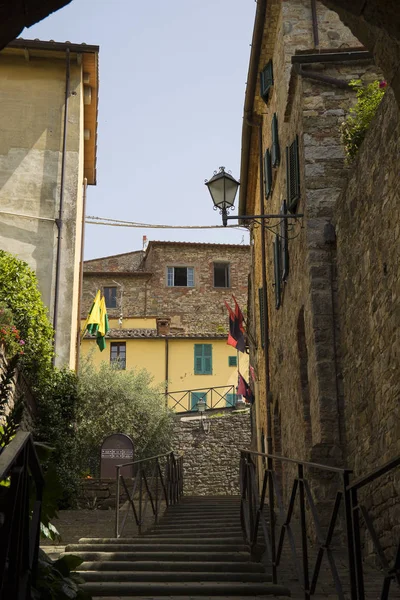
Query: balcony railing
[223, 396]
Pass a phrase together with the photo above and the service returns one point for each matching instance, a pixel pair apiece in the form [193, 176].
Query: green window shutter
[232, 361]
[207, 359]
[262, 322]
[284, 245]
[231, 399]
[275, 151]
[198, 359]
[267, 173]
[293, 175]
[266, 81]
[195, 397]
[277, 271]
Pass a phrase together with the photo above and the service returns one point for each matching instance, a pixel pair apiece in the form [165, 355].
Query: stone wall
[368, 259]
[211, 461]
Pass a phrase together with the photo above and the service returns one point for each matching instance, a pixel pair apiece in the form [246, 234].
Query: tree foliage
[354, 128]
[119, 401]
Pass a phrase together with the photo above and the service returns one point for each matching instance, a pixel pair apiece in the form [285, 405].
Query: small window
[284, 244]
[180, 277]
[266, 81]
[110, 296]
[293, 175]
[195, 397]
[231, 399]
[118, 355]
[221, 275]
[267, 173]
[203, 359]
[277, 270]
[232, 361]
[275, 150]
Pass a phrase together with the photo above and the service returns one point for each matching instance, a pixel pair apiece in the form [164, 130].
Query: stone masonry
[211, 461]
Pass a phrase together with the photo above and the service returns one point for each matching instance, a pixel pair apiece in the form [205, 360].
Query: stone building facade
[330, 290]
[47, 157]
[169, 303]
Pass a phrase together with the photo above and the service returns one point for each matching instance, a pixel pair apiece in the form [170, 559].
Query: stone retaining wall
[211, 460]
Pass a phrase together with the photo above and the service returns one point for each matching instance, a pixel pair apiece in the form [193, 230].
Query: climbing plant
[356, 125]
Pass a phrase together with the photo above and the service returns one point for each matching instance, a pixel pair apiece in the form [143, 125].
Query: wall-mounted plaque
[116, 449]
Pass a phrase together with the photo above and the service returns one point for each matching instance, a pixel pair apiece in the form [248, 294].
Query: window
[277, 270]
[267, 173]
[203, 359]
[180, 277]
[275, 151]
[262, 321]
[118, 355]
[284, 245]
[266, 81]
[195, 397]
[221, 275]
[232, 361]
[293, 175]
[231, 399]
[110, 296]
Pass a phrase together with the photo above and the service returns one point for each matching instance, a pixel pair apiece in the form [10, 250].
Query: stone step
[171, 576]
[185, 534]
[188, 529]
[155, 547]
[148, 540]
[208, 589]
[167, 566]
[251, 597]
[168, 556]
[202, 519]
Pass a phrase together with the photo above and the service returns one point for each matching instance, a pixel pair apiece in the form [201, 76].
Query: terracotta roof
[114, 255]
[161, 243]
[122, 334]
[116, 273]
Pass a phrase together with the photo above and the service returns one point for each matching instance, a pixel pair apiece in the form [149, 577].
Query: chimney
[144, 242]
[163, 326]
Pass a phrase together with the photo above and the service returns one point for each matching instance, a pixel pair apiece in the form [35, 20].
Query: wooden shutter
[198, 359]
[207, 359]
[195, 397]
[267, 173]
[293, 175]
[284, 245]
[266, 81]
[275, 151]
[277, 271]
[262, 321]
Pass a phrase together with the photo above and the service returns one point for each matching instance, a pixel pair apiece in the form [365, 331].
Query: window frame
[266, 81]
[117, 360]
[227, 267]
[262, 316]
[293, 175]
[205, 369]
[275, 149]
[267, 173]
[232, 361]
[170, 276]
[277, 270]
[110, 287]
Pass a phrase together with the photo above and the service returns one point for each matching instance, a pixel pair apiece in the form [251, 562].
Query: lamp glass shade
[223, 188]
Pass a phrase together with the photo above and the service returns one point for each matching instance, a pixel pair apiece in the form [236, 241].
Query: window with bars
[267, 173]
[232, 361]
[266, 81]
[275, 150]
[262, 316]
[203, 359]
[293, 175]
[277, 270]
[180, 276]
[118, 355]
[221, 275]
[110, 296]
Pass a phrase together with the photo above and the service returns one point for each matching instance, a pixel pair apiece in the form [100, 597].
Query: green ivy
[19, 292]
[356, 125]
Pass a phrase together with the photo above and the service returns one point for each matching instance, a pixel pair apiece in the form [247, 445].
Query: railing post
[272, 519]
[303, 531]
[140, 499]
[157, 468]
[349, 534]
[117, 503]
[357, 544]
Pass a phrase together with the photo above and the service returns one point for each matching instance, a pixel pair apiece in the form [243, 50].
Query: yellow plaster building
[48, 123]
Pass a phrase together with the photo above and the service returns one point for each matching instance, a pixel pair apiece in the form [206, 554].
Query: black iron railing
[20, 507]
[157, 483]
[267, 522]
[222, 396]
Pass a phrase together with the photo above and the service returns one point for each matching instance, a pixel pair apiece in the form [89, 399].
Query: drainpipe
[59, 221]
[78, 331]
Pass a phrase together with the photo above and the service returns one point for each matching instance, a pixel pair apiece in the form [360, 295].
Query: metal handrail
[20, 526]
[254, 503]
[212, 391]
[165, 483]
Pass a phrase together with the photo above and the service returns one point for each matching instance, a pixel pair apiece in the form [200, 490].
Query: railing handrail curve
[297, 462]
[12, 451]
[212, 387]
[142, 460]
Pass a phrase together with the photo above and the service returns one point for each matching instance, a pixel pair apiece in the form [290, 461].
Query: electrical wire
[90, 220]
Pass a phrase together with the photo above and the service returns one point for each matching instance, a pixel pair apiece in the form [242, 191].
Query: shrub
[356, 125]
[119, 401]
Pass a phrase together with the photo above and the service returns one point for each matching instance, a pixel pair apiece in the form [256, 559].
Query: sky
[172, 84]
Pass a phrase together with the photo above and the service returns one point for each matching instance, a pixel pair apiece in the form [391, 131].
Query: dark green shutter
[207, 359]
[284, 244]
[232, 361]
[277, 270]
[293, 175]
[195, 397]
[266, 81]
[198, 359]
[275, 151]
[203, 359]
[262, 321]
[267, 173]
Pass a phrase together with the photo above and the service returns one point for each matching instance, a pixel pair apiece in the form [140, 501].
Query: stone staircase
[196, 551]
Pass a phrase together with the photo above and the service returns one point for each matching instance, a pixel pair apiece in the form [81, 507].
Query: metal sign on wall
[116, 450]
